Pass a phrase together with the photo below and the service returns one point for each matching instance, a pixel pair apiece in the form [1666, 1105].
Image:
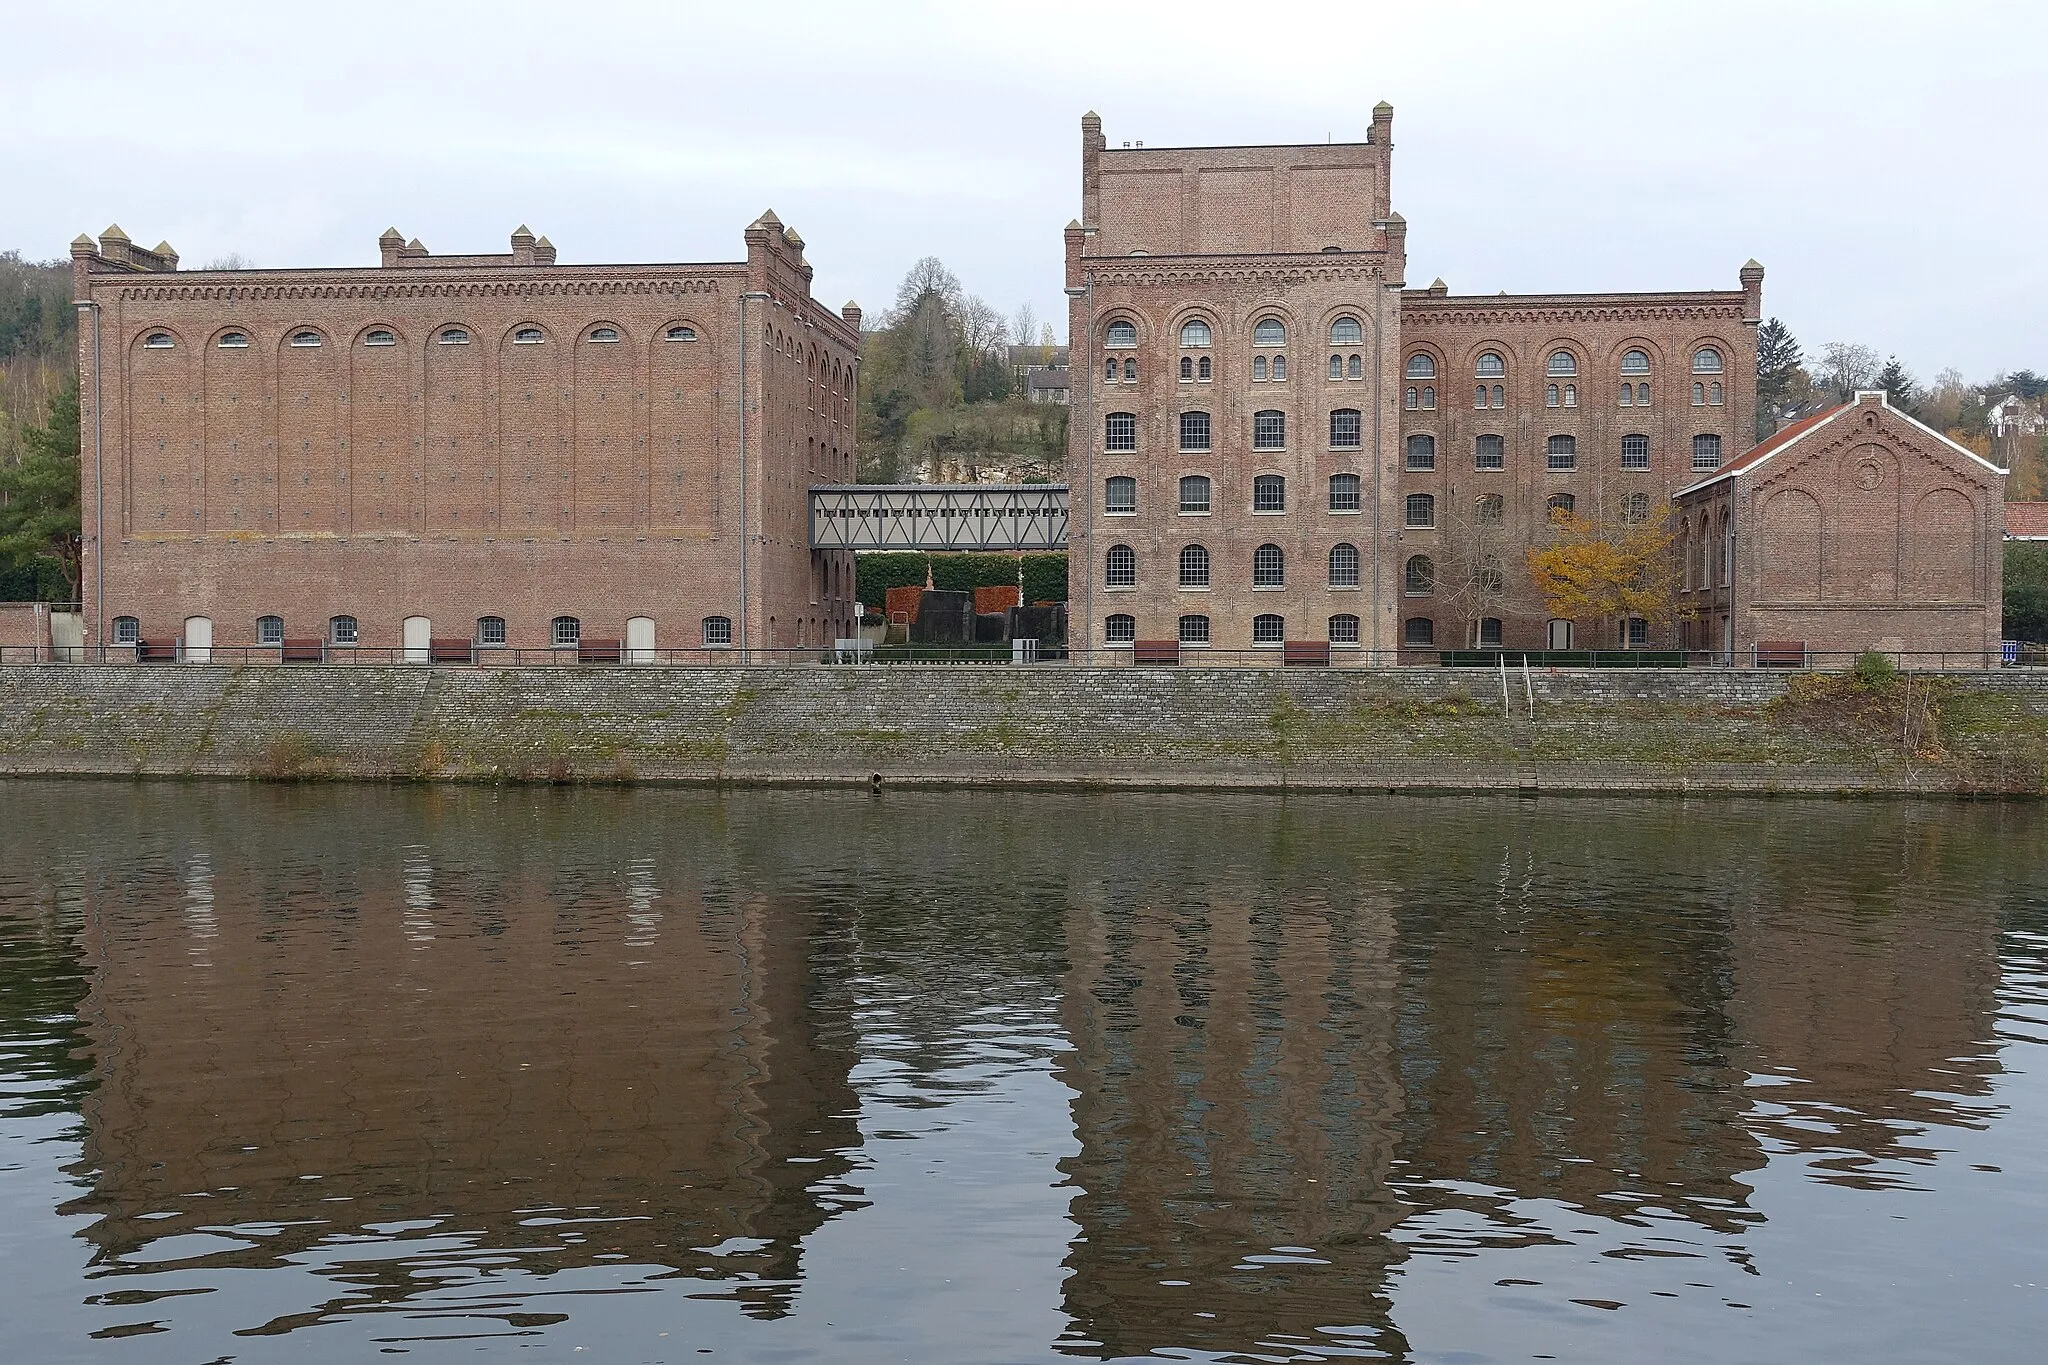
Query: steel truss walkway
[932, 516]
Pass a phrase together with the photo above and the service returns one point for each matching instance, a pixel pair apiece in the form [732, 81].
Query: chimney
[543, 252]
[522, 245]
[1382, 125]
[1092, 143]
[389, 246]
[849, 312]
[1752, 278]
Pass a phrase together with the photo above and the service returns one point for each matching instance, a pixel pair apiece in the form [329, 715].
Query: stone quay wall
[1414, 729]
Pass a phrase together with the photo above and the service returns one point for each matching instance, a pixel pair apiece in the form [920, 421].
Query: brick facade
[1303, 240]
[438, 440]
[1858, 528]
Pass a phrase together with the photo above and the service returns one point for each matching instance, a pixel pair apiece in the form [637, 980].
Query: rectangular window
[1421, 452]
[490, 630]
[1706, 453]
[1194, 493]
[1120, 495]
[1563, 453]
[1269, 493]
[1635, 452]
[1194, 431]
[270, 630]
[1269, 431]
[1120, 431]
[1346, 429]
[1489, 452]
[1421, 510]
[1343, 492]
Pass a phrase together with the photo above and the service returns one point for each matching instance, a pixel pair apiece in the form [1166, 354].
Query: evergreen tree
[39, 523]
[1780, 380]
[1897, 382]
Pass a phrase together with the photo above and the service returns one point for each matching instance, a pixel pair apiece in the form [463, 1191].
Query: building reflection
[515, 1038]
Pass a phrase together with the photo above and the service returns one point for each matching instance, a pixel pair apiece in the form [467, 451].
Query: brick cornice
[1154, 271]
[156, 289]
[1428, 312]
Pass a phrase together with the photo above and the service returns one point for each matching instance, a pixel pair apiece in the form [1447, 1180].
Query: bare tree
[1846, 367]
[928, 279]
[982, 329]
[1479, 569]
[234, 260]
[1026, 323]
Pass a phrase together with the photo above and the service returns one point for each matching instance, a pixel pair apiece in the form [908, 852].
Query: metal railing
[171, 654]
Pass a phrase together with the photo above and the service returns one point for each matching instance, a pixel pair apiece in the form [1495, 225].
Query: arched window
[1491, 366]
[1194, 630]
[1642, 395]
[453, 336]
[1120, 495]
[1268, 629]
[1194, 493]
[1336, 367]
[1429, 398]
[1345, 331]
[1202, 368]
[1499, 396]
[1269, 430]
[1354, 368]
[1187, 369]
[1258, 369]
[127, 630]
[1194, 431]
[270, 630]
[1269, 493]
[155, 341]
[1269, 567]
[1418, 632]
[1635, 508]
[1628, 395]
[528, 336]
[1563, 363]
[1635, 362]
[1120, 568]
[1560, 505]
[1706, 360]
[1479, 395]
[1706, 452]
[1420, 366]
[341, 630]
[1562, 452]
[305, 337]
[565, 631]
[1489, 510]
[1412, 400]
[1194, 334]
[1344, 493]
[1421, 451]
[1344, 566]
[1489, 452]
[1194, 567]
[1121, 335]
[1550, 395]
[1714, 393]
[1279, 368]
[604, 334]
[1269, 332]
[1635, 451]
[490, 631]
[380, 337]
[1120, 431]
[1347, 429]
[1130, 369]
[1699, 395]
[1109, 370]
[680, 334]
[1571, 395]
[233, 341]
[1420, 510]
[1418, 577]
[1120, 629]
[717, 632]
[1344, 629]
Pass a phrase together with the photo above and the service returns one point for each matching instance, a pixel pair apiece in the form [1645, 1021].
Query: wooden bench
[597, 651]
[156, 651]
[1166, 652]
[1305, 654]
[1781, 653]
[303, 651]
[450, 649]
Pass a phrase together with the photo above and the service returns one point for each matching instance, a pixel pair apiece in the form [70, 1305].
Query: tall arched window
[1336, 367]
[1564, 363]
[1109, 370]
[1344, 566]
[1279, 368]
[1120, 568]
[1194, 431]
[1258, 369]
[1706, 360]
[1130, 369]
[1194, 566]
[1187, 371]
[1269, 567]
[1345, 331]
[1120, 431]
[1354, 368]
[1269, 332]
[1418, 577]
[1499, 396]
[1420, 366]
[1489, 452]
[1121, 335]
[1202, 368]
[1194, 334]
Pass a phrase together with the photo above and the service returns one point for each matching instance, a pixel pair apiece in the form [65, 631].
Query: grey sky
[1882, 160]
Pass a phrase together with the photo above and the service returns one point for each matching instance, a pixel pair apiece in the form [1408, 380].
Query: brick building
[495, 449]
[1857, 528]
[1275, 440]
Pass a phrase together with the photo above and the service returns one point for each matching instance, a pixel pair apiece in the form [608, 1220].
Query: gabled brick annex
[500, 449]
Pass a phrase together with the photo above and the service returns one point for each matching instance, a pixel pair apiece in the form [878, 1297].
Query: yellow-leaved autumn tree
[1591, 570]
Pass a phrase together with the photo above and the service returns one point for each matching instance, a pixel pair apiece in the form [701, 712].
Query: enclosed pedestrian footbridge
[938, 516]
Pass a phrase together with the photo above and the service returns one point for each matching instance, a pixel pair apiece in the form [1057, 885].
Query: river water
[319, 1073]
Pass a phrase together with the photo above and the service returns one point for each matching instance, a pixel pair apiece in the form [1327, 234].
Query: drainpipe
[746, 528]
[1379, 337]
[99, 494]
[1086, 293]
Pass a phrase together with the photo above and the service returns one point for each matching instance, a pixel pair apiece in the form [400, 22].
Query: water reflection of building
[1233, 1063]
[538, 1050]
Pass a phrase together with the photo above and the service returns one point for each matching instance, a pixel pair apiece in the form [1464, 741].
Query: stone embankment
[1416, 729]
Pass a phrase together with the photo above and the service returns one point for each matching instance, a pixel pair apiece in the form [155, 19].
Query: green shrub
[1874, 672]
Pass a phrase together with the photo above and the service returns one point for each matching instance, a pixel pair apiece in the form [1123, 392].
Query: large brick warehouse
[496, 450]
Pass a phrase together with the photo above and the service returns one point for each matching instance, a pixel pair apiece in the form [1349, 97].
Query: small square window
[490, 630]
[1489, 452]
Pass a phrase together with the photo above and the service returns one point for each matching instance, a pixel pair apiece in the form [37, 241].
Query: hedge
[1045, 575]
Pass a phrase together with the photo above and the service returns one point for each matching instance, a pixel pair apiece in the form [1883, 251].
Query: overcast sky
[1882, 160]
